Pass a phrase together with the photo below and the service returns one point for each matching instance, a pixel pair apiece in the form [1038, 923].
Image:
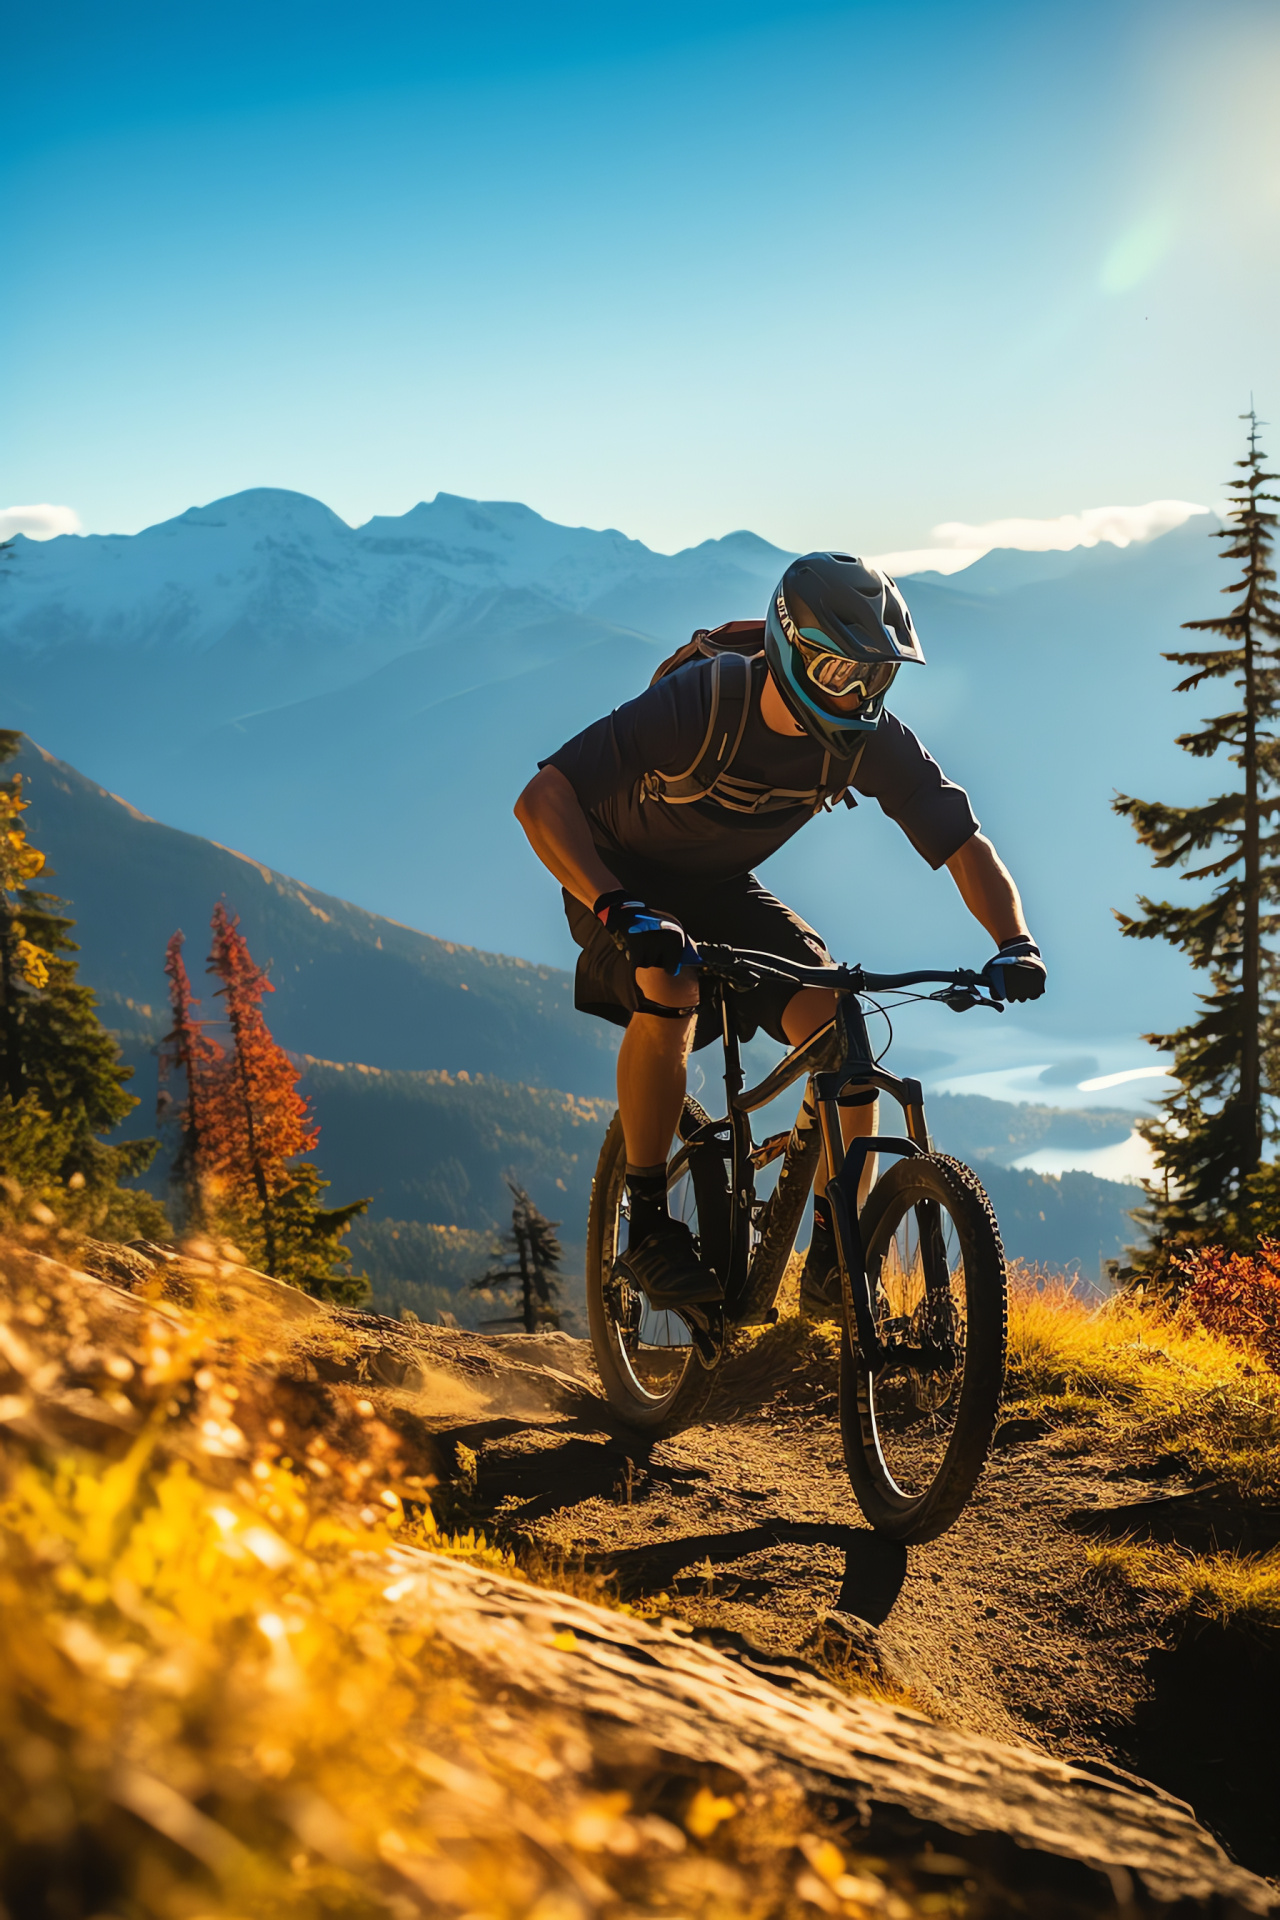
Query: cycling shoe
[667, 1270]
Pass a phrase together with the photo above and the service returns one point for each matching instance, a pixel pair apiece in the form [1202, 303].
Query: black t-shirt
[661, 730]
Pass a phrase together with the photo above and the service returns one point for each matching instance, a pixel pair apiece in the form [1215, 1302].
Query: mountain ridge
[130, 881]
[368, 722]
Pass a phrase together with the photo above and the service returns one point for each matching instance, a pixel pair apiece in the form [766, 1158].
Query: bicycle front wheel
[917, 1432]
[645, 1355]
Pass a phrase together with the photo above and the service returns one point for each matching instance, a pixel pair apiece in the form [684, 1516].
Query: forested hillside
[470, 1065]
[348, 984]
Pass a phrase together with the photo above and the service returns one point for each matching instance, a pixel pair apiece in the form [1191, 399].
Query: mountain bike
[921, 1264]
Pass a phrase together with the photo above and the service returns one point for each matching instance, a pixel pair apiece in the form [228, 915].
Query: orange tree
[249, 1130]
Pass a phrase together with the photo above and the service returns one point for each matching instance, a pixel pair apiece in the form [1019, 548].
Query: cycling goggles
[836, 673]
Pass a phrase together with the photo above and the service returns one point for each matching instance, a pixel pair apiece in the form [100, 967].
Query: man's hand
[1017, 972]
[648, 938]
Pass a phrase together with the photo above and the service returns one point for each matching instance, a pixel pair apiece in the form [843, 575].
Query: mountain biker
[646, 874]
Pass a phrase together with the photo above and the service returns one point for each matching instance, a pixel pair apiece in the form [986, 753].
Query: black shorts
[738, 913]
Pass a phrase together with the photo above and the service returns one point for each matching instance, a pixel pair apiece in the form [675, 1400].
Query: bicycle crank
[706, 1330]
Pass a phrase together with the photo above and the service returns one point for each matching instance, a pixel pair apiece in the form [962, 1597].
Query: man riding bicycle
[654, 818]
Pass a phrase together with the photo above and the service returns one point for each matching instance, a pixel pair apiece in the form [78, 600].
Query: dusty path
[752, 1527]
[747, 1525]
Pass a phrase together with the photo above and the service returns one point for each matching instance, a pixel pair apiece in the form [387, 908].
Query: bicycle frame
[839, 1065]
[841, 1071]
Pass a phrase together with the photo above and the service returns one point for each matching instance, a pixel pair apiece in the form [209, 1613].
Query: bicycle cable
[884, 1015]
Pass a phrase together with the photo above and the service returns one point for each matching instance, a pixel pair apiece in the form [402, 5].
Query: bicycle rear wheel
[650, 1372]
[917, 1433]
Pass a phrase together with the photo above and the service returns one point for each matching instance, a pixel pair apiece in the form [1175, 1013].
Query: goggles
[838, 675]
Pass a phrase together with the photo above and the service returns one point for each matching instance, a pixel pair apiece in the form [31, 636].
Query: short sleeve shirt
[645, 839]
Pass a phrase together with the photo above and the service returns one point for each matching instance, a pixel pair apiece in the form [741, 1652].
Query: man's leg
[660, 1252]
[651, 1066]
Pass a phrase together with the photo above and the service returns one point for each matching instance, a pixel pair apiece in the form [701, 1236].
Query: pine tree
[62, 1083]
[532, 1262]
[254, 1126]
[188, 1052]
[1212, 1184]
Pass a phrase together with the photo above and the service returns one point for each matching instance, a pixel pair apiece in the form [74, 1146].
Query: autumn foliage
[244, 1127]
[1237, 1294]
[257, 1121]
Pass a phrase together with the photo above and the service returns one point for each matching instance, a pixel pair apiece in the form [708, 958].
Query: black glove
[1017, 972]
[647, 938]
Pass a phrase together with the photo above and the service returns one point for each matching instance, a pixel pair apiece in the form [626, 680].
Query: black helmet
[837, 626]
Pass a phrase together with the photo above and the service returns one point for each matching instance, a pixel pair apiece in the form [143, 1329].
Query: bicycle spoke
[920, 1313]
[653, 1345]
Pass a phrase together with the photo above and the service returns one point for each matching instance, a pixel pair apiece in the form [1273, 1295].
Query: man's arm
[987, 889]
[558, 831]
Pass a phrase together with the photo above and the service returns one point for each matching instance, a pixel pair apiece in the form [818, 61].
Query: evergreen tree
[532, 1261]
[253, 1125]
[62, 1083]
[1212, 1183]
[189, 1052]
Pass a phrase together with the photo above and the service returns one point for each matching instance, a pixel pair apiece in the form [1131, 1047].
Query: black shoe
[821, 1295]
[667, 1270]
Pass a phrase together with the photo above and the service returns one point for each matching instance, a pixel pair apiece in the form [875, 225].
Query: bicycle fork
[860, 1074]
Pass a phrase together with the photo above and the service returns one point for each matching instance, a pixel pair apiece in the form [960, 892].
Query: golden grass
[1143, 1380]
[207, 1711]
[1231, 1589]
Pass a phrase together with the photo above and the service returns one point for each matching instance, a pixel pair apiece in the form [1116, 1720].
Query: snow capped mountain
[281, 564]
[360, 706]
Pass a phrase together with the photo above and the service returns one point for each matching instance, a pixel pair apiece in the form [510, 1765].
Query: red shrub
[1237, 1294]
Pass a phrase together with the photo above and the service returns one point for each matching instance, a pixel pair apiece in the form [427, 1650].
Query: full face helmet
[837, 628]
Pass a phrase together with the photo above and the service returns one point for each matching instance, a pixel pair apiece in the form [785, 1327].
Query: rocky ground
[701, 1687]
[746, 1526]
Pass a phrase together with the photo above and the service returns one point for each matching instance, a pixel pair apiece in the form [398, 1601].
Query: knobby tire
[922, 1513]
[683, 1406]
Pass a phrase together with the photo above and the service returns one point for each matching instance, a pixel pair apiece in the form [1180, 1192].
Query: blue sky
[837, 273]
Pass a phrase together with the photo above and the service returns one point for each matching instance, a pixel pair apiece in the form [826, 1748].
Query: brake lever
[709, 960]
[960, 999]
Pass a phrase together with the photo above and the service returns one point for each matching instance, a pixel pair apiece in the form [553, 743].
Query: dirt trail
[752, 1527]
[742, 1530]
[749, 1526]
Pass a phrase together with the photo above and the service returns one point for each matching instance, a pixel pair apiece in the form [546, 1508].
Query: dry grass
[207, 1711]
[1231, 1589]
[1144, 1380]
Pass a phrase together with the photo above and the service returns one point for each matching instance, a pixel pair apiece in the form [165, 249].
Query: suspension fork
[859, 1073]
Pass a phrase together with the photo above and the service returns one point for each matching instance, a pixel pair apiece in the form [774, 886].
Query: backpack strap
[842, 789]
[730, 706]
[709, 777]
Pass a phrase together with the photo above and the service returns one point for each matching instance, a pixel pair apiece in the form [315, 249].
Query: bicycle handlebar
[740, 969]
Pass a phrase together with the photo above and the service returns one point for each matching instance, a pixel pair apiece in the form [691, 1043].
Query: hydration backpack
[733, 649]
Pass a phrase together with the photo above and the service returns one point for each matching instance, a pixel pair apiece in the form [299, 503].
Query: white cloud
[959, 544]
[44, 522]
[1119, 525]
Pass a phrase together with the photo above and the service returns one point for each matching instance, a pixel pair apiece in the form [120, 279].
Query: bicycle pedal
[706, 1330]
